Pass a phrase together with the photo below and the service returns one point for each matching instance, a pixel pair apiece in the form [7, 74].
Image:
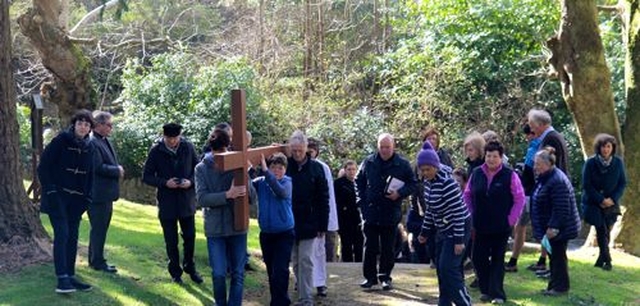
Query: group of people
[455, 213]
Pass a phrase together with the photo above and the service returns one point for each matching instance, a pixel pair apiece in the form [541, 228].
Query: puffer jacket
[553, 205]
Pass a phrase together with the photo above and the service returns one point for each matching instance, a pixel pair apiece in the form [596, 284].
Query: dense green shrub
[177, 87]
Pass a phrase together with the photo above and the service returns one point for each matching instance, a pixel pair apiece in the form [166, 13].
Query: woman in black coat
[66, 175]
[603, 182]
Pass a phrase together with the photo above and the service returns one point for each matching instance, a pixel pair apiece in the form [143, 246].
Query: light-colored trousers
[301, 258]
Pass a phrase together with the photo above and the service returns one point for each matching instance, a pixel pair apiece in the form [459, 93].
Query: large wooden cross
[237, 158]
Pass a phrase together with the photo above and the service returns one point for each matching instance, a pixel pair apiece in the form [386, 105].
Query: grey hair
[101, 116]
[385, 136]
[539, 116]
[490, 136]
[547, 154]
[298, 137]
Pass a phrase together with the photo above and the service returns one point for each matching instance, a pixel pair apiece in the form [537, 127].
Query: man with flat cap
[170, 168]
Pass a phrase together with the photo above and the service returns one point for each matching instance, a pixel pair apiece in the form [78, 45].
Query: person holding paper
[554, 214]
[381, 207]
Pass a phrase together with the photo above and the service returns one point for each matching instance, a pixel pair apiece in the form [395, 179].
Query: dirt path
[413, 285]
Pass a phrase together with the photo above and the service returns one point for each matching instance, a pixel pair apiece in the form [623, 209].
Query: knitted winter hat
[428, 156]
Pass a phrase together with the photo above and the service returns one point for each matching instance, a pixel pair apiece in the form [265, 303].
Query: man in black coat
[540, 123]
[170, 168]
[105, 190]
[384, 179]
[310, 204]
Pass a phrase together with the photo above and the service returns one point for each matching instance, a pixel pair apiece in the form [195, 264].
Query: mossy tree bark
[23, 240]
[71, 88]
[579, 63]
[629, 239]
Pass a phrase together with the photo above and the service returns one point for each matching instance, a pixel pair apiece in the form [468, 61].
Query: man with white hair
[540, 123]
[384, 179]
[310, 203]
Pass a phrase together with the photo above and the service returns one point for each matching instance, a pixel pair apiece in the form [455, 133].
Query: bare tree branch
[93, 15]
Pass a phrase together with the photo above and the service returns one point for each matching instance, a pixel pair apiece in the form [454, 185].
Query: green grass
[136, 246]
[589, 285]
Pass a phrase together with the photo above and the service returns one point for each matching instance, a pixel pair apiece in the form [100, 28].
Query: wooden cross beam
[237, 158]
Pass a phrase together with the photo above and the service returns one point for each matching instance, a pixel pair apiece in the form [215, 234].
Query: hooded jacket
[218, 211]
[66, 169]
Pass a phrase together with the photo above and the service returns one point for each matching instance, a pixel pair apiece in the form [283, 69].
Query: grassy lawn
[136, 246]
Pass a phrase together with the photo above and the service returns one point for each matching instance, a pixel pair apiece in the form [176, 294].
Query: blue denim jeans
[228, 252]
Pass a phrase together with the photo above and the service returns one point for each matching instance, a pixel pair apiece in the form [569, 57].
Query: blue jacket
[106, 187]
[211, 186]
[600, 182]
[553, 205]
[371, 182]
[66, 169]
[163, 164]
[275, 214]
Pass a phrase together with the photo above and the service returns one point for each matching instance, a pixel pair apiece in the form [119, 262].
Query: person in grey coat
[227, 247]
[106, 189]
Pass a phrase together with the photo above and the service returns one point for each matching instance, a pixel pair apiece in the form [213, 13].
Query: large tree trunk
[23, 240]
[70, 88]
[628, 238]
[579, 63]
[578, 59]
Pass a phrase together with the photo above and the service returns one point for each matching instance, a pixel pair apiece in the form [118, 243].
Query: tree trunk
[628, 237]
[70, 88]
[579, 62]
[320, 39]
[308, 49]
[23, 240]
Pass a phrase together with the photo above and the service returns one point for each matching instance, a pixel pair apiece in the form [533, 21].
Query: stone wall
[135, 190]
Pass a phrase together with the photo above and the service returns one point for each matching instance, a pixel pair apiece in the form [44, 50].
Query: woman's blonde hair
[476, 141]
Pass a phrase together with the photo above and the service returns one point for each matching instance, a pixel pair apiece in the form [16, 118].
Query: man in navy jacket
[170, 168]
[105, 190]
[382, 207]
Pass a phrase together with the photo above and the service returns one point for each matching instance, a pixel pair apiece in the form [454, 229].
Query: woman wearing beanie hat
[447, 214]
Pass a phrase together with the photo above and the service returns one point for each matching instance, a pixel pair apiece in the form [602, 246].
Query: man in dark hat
[170, 168]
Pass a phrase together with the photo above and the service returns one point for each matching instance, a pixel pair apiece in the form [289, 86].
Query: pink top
[516, 191]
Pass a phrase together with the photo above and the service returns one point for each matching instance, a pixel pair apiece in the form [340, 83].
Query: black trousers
[66, 223]
[603, 234]
[379, 239]
[351, 241]
[559, 266]
[99, 217]
[188, 233]
[488, 260]
[276, 252]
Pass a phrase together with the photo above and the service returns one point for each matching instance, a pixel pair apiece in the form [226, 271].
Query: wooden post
[36, 145]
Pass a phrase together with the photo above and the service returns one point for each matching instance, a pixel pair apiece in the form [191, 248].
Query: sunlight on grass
[135, 244]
